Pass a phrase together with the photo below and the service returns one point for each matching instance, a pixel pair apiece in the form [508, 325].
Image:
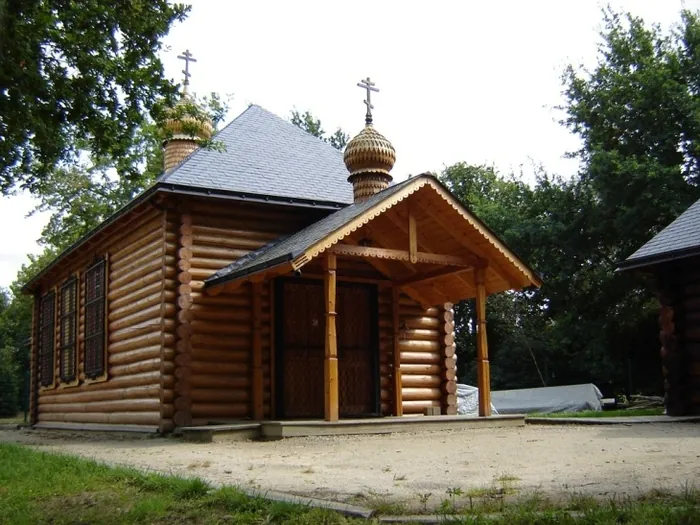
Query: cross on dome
[369, 86]
[187, 57]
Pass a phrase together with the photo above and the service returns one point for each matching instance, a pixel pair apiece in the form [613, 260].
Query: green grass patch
[16, 420]
[38, 487]
[640, 412]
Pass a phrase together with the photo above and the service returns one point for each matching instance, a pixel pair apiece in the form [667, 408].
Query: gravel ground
[601, 462]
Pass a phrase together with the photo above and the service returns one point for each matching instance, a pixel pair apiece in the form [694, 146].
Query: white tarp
[468, 401]
[571, 398]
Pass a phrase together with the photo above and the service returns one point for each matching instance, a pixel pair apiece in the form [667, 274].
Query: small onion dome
[369, 158]
[369, 152]
[183, 131]
[177, 120]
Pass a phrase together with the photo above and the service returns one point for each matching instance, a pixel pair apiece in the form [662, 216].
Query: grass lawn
[16, 420]
[607, 413]
[39, 487]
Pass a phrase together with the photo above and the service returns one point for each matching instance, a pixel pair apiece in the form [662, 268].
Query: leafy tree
[78, 73]
[638, 115]
[312, 125]
[81, 194]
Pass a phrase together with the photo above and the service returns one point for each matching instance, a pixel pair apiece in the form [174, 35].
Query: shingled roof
[265, 155]
[287, 248]
[265, 158]
[678, 240]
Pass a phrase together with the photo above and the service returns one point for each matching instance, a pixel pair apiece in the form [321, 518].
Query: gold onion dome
[185, 125]
[369, 152]
[187, 121]
[369, 156]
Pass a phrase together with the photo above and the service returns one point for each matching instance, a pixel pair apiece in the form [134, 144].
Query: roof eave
[250, 197]
[133, 203]
[277, 261]
[650, 261]
[161, 187]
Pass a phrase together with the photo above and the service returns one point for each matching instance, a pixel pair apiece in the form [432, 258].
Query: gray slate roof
[679, 239]
[267, 156]
[287, 248]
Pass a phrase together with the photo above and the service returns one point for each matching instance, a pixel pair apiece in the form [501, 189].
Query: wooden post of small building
[483, 373]
[398, 387]
[331, 362]
[258, 414]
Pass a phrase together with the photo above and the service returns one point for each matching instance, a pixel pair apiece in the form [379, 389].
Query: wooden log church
[276, 279]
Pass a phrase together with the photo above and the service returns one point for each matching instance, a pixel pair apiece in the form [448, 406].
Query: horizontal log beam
[400, 255]
[426, 277]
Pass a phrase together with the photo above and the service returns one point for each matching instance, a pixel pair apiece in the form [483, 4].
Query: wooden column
[447, 341]
[483, 373]
[183, 346]
[257, 379]
[398, 387]
[331, 361]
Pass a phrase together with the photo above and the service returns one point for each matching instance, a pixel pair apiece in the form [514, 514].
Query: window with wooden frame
[47, 339]
[68, 325]
[95, 346]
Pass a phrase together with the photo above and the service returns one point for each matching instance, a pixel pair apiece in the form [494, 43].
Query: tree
[637, 115]
[84, 72]
[312, 125]
[83, 193]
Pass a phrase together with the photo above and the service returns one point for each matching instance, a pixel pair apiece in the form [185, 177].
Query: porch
[417, 248]
[272, 430]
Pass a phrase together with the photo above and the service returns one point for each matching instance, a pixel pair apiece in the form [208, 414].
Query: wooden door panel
[356, 361]
[302, 349]
[303, 344]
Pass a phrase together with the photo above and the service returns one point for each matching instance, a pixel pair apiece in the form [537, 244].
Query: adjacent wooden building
[278, 278]
[673, 257]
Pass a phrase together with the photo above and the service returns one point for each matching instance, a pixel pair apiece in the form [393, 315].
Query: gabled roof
[678, 240]
[266, 159]
[290, 247]
[441, 211]
[267, 156]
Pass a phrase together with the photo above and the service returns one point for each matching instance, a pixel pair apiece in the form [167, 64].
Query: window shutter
[68, 325]
[95, 320]
[47, 340]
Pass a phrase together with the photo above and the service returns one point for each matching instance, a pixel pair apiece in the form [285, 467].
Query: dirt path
[559, 461]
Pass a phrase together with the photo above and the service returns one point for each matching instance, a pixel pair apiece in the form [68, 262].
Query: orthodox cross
[369, 86]
[187, 57]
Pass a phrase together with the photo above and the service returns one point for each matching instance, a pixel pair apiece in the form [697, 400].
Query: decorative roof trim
[411, 188]
[301, 258]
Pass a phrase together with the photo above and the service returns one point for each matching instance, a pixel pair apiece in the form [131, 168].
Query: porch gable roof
[295, 251]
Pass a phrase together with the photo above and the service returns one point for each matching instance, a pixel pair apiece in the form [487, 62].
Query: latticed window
[68, 324]
[47, 322]
[95, 320]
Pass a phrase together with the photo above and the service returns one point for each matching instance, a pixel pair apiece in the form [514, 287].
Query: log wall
[427, 356]
[215, 361]
[138, 389]
[679, 323]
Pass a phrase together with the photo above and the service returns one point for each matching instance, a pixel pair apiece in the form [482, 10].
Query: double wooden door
[300, 349]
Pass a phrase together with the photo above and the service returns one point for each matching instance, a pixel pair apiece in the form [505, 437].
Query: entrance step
[230, 432]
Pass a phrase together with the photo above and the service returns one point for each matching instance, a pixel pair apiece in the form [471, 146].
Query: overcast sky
[474, 81]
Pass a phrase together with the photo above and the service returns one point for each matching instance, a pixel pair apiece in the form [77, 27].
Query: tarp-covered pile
[571, 398]
[468, 401]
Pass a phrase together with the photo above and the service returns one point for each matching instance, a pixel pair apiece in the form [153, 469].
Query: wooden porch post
[398, 386]
[331, 361]
[257, 379]
[483, 373]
